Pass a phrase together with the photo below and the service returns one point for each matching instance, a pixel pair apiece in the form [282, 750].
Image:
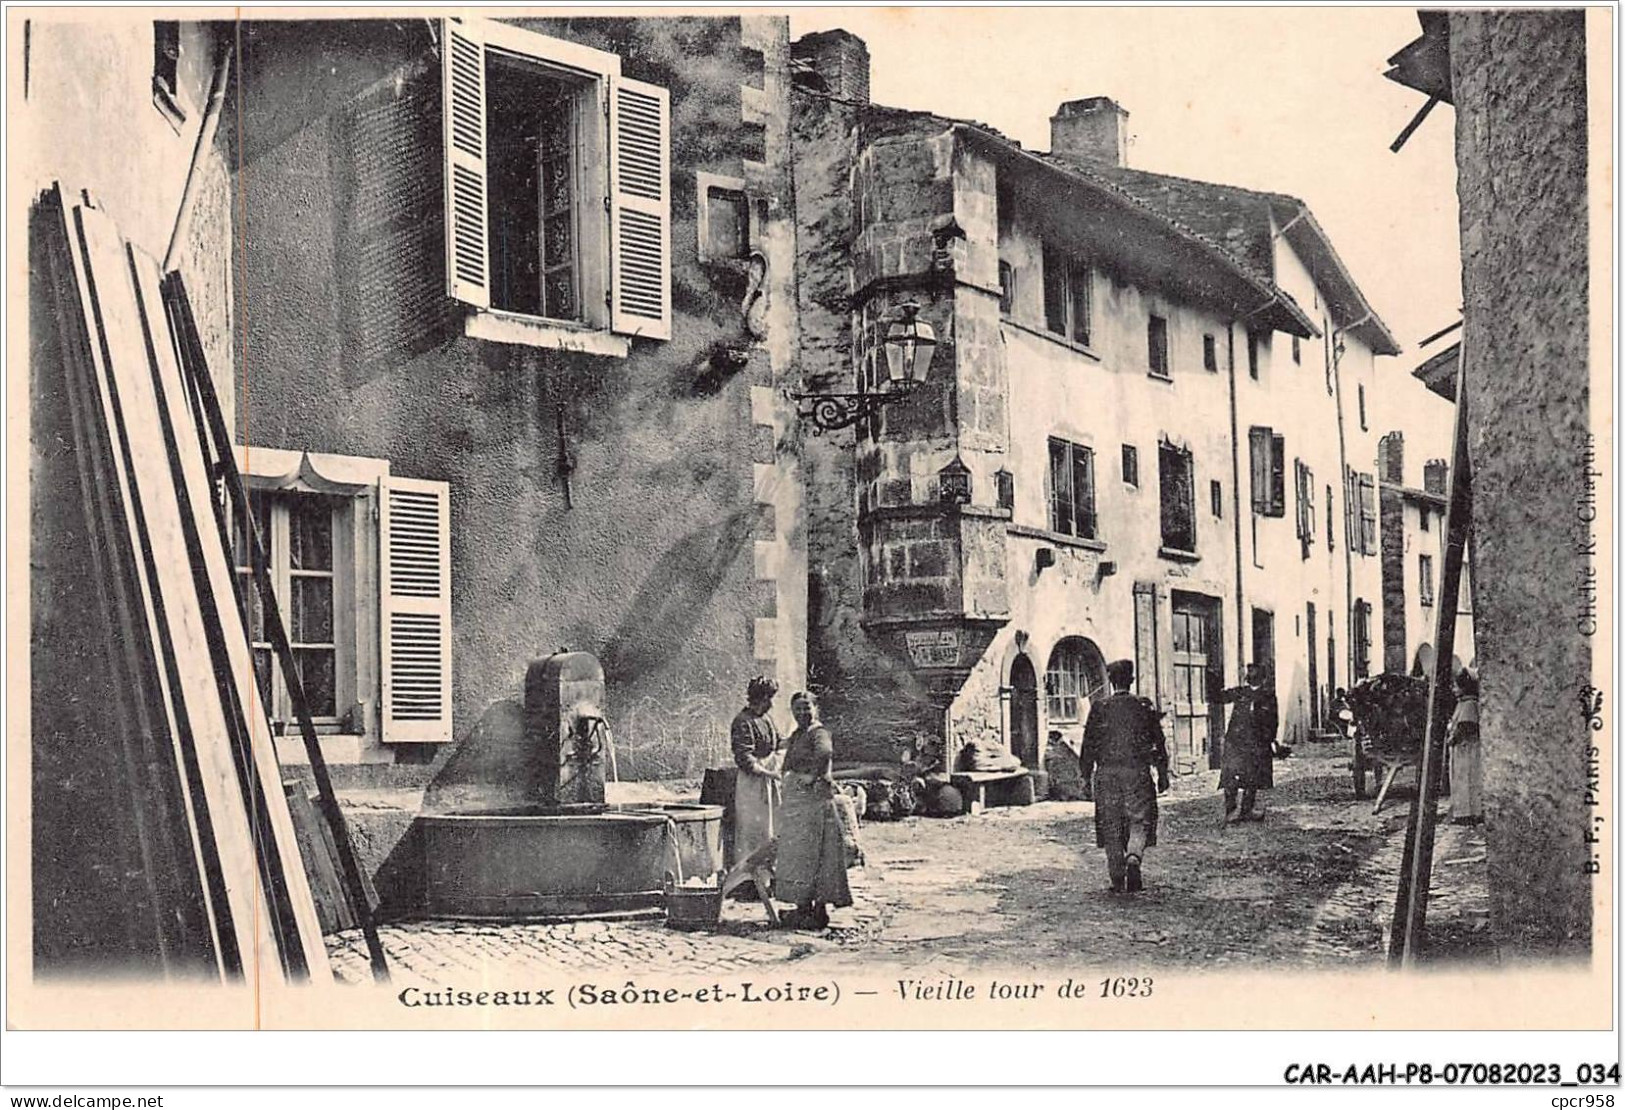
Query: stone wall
[1519, 82]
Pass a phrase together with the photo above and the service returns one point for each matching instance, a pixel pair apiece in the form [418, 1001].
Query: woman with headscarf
[756, 751]
[811, 866]
[1466, 763]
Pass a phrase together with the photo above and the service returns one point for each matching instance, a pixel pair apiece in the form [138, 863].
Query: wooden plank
[355, 879]
[217, 796]
[174, 870]
[287, 888]
[331, 908]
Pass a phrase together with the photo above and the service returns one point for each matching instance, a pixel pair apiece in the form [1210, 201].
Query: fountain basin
[564, 861]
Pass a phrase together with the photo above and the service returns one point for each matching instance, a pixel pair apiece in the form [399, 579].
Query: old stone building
[507, 306]
[1143, 432]
[1414, 490]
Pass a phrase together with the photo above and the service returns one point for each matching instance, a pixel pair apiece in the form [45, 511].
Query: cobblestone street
[1312, 885]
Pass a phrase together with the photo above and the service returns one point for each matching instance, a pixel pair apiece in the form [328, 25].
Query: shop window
[1076, 677]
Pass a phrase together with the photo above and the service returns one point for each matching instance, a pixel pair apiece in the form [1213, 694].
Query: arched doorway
[1024, 711]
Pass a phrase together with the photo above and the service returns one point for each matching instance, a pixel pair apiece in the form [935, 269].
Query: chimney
[1391, 458]
[1094, 129]
[1436, 477]
[840, 58]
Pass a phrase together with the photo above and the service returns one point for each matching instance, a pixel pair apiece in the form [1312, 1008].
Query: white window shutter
[640, 209]
[414, 557]
[468, 256]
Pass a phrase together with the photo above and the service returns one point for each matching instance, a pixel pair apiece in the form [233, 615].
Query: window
[1178, 486]
[1004, 488]
[1305, 483]
[728, 223]
[1331, 530]
[1210, 354]
[1363, 426]
[1076, 675]
[1368, 514]
[1362, 640]
[1067, 310]
[1427, 519]
[1216, 498]
[1252, 355]
[166, 59]
[1156, 341]
[1007, 288]
[557, 167]
[1072, 489]
[1131, 465]
[360, 565]
[1425, 582]
[298, 531]
[1297, 350]
[1268, 460]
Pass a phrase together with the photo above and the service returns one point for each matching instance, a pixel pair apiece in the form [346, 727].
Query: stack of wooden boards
[218, 842]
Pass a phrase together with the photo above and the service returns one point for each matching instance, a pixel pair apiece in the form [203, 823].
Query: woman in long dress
[757, 752]
[1466, 762]
[811, 866]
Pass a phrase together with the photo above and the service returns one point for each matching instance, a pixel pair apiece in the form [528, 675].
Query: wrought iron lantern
[908, 345]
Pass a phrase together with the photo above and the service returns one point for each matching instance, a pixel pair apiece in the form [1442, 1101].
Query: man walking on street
[1249, 744]
[1122, 742]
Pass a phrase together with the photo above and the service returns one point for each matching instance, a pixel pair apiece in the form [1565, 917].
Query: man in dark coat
[1249, 742]
[1122, 742]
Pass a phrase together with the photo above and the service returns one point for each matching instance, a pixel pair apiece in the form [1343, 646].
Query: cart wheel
[1361, 769]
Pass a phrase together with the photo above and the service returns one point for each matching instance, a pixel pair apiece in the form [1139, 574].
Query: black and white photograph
[812, 518]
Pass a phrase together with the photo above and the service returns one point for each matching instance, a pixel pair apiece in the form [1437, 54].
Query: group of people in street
[785, 789]
[784, 797]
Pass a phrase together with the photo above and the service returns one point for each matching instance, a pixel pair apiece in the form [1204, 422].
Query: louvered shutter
[1277, 475]
[1368, 514]
[1259, 456]
[468, 255]
[640, 209]
[414, 545]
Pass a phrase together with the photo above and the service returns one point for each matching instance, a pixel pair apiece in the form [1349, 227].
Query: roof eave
[1306, 235]
[1276, 306]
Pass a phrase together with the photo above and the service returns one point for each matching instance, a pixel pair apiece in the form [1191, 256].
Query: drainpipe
[1235, 499]
[1348, 546]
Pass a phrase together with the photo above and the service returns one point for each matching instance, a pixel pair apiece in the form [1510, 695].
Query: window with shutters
[1072, 489]
[1305, 484]
[1368, 514]
[1177, 482]
[1331, 529]
[360, 567]
[558, 226]
[1361, 632]
[1267, 459]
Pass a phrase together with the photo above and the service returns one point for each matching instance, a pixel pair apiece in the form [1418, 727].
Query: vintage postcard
[821, 518]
